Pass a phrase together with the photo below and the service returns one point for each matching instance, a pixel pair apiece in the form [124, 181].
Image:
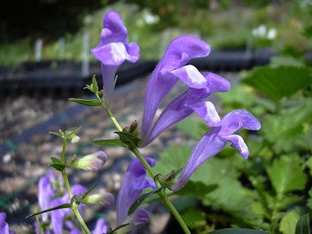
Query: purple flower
[112, 51]
[135, 181]
[100, 227]
[4, 226]
[189, 101]
[45, 192]
[215, 140]
[57, 216]
[171, 68]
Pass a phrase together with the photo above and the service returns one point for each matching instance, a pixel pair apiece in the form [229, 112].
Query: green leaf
[197, 189]
[288, 222]
[109, 142]
[194, 218]
[238, 231]
[286, 174]
[229, 196]
[127, 138]
[119, 227]
[140, 200]
[277, 61]
[309, 202]
[59, 134]
[279, 82]
[192, 127]
[95, 87]
[90, 189]
[303, 225]
[287, 201]
[57, 166]
[290, 123]
[86, 102]
[51, 209]
[55, 160]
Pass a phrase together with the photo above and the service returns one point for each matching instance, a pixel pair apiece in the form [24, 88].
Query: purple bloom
[45, 192]
[140, 216]
[191, 100]
[57, 216]
[171, 68]
[4, 226]
[215, 140]
[100, 227]
[112, 51]
[135, 181]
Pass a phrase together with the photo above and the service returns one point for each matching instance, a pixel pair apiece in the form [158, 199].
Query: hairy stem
[150, 171]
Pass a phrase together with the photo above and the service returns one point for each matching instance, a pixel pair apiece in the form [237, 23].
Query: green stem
[64, 150]
[161, 193]
[150, 171]
[114, 120]
[68, 187]
[80, 219]
[67, 184]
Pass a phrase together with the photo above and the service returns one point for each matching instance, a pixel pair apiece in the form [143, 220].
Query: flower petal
[100, 227]
[4, 226]
[112, 54]
[140, 216]
[237, 119]
[190, 76]
[207, 111]
[239, 144]
[45, 193]
[179, 52]
[113, 29]
[217, 83]
[208, 146]
[135, 181]
[133, 52]
[108, 77]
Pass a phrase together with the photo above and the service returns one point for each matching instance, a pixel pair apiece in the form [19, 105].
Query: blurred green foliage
[152, 24]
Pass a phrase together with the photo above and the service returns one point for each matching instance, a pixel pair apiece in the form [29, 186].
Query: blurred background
[45, 58]
[60, 25]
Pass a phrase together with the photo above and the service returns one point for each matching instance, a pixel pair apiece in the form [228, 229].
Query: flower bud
[74, 138]
[91, 162]
[140, 216]
[105, 199]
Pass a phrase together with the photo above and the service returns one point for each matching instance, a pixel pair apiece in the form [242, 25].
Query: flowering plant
[64, 210]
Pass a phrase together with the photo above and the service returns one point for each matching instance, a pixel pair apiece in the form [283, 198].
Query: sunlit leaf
[286, 174]
[288, 222]
[279, 82]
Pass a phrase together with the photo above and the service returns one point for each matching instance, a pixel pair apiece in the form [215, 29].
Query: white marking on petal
[191, 77]
[118, 51]
[207, 111]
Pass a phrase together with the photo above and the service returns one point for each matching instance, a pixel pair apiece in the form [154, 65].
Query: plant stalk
[68, 187]
[150, 171]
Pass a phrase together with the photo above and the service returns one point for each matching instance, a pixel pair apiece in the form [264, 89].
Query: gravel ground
[21, 167]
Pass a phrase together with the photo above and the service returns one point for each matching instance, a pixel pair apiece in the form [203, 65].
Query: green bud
[104, 199]
[74, 138]
[91, 162]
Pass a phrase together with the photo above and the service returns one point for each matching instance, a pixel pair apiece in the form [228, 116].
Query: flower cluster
[112, 51]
